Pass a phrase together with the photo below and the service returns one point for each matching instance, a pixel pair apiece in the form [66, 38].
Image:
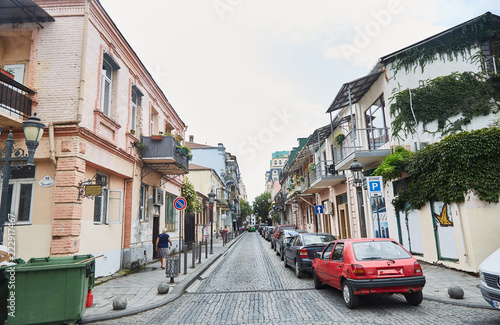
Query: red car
[366, 266]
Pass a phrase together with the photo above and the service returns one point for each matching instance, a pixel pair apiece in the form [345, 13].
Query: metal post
[206, 248]
[185, 259]
[211, 228]
[193, 254]
[9, 144]
[199, 247]
[378, 220]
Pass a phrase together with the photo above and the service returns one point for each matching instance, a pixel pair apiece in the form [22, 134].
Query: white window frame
[104, 198]
[120, 204]
[142, 203]
[106, 82]
[16, 197]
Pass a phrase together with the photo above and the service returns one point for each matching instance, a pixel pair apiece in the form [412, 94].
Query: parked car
[259, 229]
[369, 266]
[277, 231]
[269, 233]
[300, 251]
[489, 272]
[263, 231]
[284, 237]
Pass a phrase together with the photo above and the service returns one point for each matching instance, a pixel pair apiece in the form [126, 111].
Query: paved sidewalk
[141, 288]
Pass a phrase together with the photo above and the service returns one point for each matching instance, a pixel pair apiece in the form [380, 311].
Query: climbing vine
[189, 193]
[392, 167]
[450, 169]
[459, 41]
[442, 98]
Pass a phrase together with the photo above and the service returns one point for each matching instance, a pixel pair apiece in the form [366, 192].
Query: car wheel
[317, 282]
[350, 299]
[298, 272]
[414, 298]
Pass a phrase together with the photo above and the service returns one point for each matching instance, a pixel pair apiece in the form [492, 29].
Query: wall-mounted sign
[93, 190]
[46, 181]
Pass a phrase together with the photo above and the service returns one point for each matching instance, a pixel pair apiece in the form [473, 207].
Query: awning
[22, 11]
[358, 88]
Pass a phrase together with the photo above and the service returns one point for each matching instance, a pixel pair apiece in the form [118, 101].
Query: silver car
[489, 272]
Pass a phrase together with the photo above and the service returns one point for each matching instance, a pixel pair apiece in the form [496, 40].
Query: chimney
[191, 138]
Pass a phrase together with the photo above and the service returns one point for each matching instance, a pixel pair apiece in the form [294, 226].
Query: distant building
[278, 160]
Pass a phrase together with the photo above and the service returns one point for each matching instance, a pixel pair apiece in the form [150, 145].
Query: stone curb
[176, 292]
[457, 302]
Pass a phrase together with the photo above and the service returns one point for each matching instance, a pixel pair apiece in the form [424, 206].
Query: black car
[300, 251]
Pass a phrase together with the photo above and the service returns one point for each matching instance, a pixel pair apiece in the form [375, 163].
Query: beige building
[101, 107]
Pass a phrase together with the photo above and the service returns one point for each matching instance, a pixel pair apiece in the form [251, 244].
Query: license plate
[495, 304]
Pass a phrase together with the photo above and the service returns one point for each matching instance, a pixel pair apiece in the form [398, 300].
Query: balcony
[15, 101]
[322, 176]
[368, 146]
[164, 157]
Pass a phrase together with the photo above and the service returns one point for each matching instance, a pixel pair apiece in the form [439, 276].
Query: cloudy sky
[256, 75]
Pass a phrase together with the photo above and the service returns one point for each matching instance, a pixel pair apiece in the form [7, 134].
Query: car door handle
[340, 266]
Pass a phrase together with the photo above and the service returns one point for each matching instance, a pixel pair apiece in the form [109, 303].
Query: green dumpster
[50, 290]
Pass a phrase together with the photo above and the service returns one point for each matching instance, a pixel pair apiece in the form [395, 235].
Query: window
[170, 212]
[152, 124]
[135, 102]
[20, 194]
[375, 123]
[338, 252]
[108, 66]
[142, 203]
[101, 201]
[327, 252]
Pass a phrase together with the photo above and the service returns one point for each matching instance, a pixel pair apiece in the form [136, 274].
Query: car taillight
[303, 253]
[417, 268]
[358, 270]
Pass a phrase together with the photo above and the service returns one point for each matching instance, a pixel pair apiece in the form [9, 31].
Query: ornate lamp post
[211, 200]
[33, 131]
[356, 169]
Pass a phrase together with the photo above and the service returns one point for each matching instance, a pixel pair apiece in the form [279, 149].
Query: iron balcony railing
[361, 139]
[15, 97]
[321, 169]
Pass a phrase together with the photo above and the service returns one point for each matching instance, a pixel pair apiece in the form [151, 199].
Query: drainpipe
[52, 146]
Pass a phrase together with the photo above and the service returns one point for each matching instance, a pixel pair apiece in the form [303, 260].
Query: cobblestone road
[251, 286]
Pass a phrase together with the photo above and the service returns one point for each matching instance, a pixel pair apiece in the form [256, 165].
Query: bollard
[185, 258]
[193, 254]
[199, 251]
[206, 249]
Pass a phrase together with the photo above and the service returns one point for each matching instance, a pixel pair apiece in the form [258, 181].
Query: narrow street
[251, 286]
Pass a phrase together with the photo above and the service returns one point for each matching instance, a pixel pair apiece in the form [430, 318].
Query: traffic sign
[318, 209]
[180, 203]
[375, 186]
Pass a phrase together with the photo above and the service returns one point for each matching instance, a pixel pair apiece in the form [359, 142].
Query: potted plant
[132, 131]
[140, 146]
[7, 73]
[156, 137]
[184, 150]
[338, 139]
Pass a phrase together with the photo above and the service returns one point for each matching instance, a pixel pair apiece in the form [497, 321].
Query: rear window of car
[379, 250]
[318, 239]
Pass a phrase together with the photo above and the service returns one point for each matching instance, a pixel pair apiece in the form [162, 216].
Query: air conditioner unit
[327, 207]
[158, 196]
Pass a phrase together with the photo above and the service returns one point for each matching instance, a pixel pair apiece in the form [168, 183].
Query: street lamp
[211, 200]
[356, 169]
[33, 131]
[296, 210]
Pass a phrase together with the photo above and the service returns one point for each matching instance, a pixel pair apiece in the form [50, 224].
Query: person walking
[162, 247]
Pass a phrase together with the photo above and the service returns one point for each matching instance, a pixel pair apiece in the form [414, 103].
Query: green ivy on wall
[442, 98]
[459, 41]
[189, 193]
[450, 169]
[393, 165]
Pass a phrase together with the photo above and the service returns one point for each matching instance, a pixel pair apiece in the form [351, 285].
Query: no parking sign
[180, 203]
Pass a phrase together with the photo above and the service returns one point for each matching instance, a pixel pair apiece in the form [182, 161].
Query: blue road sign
[180, 203]
[375, 186]
[318, 209]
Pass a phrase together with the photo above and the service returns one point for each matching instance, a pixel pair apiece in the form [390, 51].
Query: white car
[489, 272]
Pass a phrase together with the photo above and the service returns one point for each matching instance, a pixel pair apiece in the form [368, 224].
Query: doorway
[344, 224]
[156, 233]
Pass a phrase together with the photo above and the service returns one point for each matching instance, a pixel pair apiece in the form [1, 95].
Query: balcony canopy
[357, 88]
[22, 11]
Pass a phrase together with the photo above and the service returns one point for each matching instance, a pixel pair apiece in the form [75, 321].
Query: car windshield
[379, 250]
[317, 239]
